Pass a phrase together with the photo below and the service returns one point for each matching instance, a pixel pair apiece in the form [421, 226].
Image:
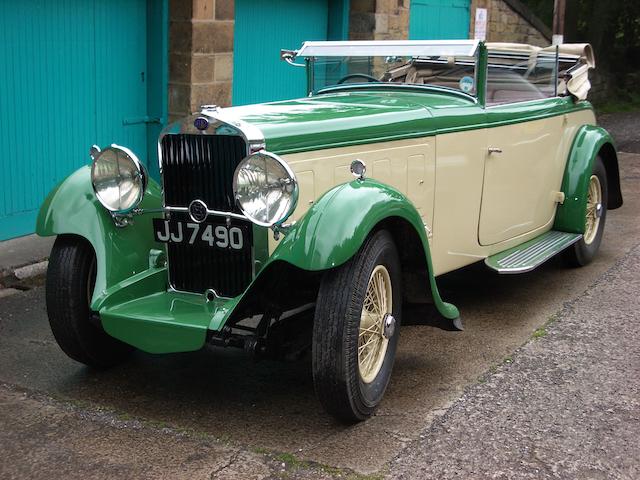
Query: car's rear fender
[337, 225]
[589, 142]
[72, 208]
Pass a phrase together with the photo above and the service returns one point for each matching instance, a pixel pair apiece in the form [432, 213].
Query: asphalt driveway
[216, 413]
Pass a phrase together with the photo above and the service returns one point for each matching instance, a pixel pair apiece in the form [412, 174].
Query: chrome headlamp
[265, 189]
[118, 178]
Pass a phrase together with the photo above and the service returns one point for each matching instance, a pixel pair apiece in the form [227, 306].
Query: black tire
[582, 253]
[336, 375]
[70, 281]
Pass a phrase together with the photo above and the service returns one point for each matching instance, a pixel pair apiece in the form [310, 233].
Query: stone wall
[201, 41]
[200, 54]
[379, 20]
[510, 21]
[180, 12]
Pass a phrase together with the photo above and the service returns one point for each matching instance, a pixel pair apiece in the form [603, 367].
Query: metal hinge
[559, 197]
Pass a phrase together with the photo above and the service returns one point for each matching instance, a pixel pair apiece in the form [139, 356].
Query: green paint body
[570, 216]
[333, 230]
[132, 294]
[364, 114]
[72, 208]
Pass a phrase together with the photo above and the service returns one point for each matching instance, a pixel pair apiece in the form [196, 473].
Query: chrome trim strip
[216, 213]
[372, 48]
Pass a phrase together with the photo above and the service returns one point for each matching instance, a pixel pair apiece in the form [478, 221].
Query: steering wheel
[357, 75]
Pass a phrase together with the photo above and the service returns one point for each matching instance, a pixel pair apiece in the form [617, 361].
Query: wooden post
[558, 22]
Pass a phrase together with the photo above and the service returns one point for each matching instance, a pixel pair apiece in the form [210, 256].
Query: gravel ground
[567, 405]
[624, 129]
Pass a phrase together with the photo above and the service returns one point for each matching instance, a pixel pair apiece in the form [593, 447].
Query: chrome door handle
[494, 150]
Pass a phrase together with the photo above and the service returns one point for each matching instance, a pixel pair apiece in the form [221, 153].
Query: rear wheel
[583, 251]
[356, 330]
[71, 279]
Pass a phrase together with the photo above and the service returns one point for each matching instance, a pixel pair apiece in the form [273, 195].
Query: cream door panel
[307, 192]
[520, 183]
[381, 169]
[407, 165]
[459, 172]
[417, 166]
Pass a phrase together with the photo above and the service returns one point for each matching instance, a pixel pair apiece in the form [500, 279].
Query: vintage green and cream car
[308, 225]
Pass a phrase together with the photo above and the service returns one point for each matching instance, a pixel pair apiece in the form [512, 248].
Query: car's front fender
[589, 142]
[337, 225]
[72, 208]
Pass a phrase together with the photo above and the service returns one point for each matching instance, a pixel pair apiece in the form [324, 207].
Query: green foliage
[612, 27]
[624, 101]
[543, 9]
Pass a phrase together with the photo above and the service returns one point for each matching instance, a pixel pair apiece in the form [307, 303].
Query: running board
[529, 255]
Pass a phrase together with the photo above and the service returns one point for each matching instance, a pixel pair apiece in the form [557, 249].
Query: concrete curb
[23, 262]
[30, 271]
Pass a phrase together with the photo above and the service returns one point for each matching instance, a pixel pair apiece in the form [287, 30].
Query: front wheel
[584, 250]
[71, 278]
[356, 330]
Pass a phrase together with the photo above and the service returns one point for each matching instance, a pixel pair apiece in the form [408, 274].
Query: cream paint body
[474, 203]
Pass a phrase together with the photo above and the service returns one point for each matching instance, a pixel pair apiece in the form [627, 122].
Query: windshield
[454, 72]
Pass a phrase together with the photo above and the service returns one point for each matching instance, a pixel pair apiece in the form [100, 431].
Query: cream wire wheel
[594, 210]
[372, 343]
[356, 328]
[584, 250]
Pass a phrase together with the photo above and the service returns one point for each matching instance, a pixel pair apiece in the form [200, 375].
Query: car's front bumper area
[141, 311]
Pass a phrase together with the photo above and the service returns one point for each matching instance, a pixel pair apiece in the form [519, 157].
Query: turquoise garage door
[263, 28]
[74, 73]
[439, 19]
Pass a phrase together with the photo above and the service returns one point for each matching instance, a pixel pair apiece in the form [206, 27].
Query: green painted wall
[74, 73]
[263, 28]
[439, 19]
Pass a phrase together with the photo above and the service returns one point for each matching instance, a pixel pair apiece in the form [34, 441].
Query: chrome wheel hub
[389, 327]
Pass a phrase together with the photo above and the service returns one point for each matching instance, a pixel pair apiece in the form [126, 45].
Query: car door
[524, 162]
[522, 174]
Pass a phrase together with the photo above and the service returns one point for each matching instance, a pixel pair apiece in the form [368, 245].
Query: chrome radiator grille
[202, 167]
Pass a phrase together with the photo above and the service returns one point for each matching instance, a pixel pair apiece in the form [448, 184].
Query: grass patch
[291, 460]
[540, 332]
[293, 463]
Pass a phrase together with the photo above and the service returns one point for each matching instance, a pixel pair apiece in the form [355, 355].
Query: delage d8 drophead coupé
[260, 237]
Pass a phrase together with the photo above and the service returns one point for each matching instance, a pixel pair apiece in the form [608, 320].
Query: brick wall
[200, 54]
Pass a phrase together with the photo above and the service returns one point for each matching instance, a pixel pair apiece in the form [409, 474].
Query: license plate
[215, 235]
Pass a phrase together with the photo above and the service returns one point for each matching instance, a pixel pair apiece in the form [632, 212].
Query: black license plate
[212, 234]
